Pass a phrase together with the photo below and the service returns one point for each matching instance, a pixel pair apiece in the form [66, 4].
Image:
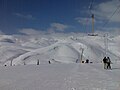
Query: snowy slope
[60, 77]
[65, 71]
[57, 48]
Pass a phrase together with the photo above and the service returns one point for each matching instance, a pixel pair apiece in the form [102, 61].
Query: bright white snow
[20, 54]
[60, 77]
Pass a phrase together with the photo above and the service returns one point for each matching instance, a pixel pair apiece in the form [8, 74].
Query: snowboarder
[108, 63]
[105, 62]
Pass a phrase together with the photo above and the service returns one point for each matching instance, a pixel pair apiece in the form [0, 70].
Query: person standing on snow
[49, 62]
[108, 63]
[105, 62]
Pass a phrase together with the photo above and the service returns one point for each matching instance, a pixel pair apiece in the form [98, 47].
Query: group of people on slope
[107, 63]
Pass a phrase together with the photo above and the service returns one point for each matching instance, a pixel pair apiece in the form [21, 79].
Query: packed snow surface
[60, 77]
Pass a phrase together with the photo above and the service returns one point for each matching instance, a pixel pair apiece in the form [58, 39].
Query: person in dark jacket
[108, 63]
[49, 62]
[105, 62]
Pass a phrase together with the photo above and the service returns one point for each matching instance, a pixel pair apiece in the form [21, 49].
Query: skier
[105, 62]
[38, 62]
[108, 63]
[87, 61]
[49, 62]
[77, 60]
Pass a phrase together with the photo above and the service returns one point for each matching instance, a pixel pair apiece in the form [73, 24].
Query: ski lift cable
[111, 16]
[91, 6]
[89, 10]
[119, 11]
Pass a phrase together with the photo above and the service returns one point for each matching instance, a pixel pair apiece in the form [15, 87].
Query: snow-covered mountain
[57, 48]
[21, 53]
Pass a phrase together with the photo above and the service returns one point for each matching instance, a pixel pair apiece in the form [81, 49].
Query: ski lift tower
[92, 23]
[106, 44]
[93, 34]
[93, 19]
[81, 56]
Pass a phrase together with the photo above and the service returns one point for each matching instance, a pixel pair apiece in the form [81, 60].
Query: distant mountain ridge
[57, 48]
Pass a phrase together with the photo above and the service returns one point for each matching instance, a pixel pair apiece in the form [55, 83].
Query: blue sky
[57, 15]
